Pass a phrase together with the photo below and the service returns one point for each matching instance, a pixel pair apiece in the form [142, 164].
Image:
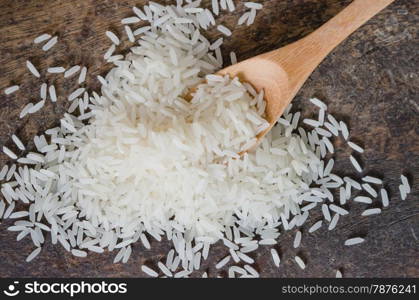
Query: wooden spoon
[282, 72]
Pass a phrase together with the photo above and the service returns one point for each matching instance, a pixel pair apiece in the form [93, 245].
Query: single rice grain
[300, 262]
[11, 89]
[32, 69]
[354, 241]
[42, 38]
[371, 211]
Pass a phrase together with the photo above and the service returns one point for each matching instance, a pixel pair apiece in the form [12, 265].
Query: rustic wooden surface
[370, 81]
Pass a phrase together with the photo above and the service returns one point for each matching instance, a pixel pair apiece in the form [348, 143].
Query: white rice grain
[334, 222]
[145, 241]
[318, 103]
[251, 18]
[130, 20]
[150, 272]
[215, 7]
[36, 107]
[72, 71]
[353, 183]
[230, 5]
[127, 254]
[224, 30]
[338, 210]
[33, 254]
[56, 70]
[315, 226]
[112, 36]
[323, 132]
[233, 58]
[42, 38]
[52, 93]
[11, 89]
[223, 262]
[11, 172]
[129, 33]
[164, 269]
[51, 43]
[245, 258]
[344, 129]
[371, 211]
[77, 93]
[252, 271]
[300, 262]
[297, 239]
[403, 193]
[371, 179]
[243, 18]
[370, 190]
[333, 121]
[18, 142]
[405, 182]
[384, 198]
[354, 241]
[119, 255]
[311, 122]
[82, 76]
[3, 173]
[139, 13]
[275, 257]
[355, 147]
[43, 91]
[78, 253]
[356, 164]
[326, 213]
[141, 30]
[234, 256]
[363, 199]
[9, 210]
[9, 153]
[32, 69]
[19, 214]
[253, 5]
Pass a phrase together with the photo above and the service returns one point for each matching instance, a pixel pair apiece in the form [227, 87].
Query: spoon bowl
[264, 74]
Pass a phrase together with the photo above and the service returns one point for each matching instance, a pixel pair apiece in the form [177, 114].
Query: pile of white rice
[138, 161]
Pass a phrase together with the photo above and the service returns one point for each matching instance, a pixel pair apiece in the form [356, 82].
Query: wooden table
[370, 81]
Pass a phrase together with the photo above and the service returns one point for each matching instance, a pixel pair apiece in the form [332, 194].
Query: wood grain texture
[370, 81]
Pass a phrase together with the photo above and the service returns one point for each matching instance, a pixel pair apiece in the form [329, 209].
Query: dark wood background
[370, 81]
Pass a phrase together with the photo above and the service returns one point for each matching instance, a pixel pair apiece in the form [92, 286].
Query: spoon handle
[300, 58]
